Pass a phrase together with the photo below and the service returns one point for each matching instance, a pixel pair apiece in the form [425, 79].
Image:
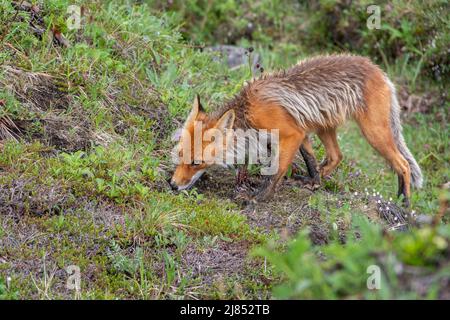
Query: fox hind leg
[378, 133]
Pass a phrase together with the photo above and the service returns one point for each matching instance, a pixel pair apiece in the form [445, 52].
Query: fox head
[201, 143]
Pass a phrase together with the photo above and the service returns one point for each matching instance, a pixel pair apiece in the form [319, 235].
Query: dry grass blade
[8, 129]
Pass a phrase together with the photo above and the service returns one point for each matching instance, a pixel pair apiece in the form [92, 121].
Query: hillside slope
[85, 123]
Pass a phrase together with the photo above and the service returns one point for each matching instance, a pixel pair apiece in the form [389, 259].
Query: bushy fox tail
[396, 126]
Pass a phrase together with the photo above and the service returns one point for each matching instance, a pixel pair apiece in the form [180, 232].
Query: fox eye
[195, 164]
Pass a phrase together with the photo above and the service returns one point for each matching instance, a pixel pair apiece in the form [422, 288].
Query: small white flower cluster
[388, 210]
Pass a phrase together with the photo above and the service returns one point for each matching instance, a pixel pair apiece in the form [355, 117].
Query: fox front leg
[242, 188]
[288, 147]
[241, 175]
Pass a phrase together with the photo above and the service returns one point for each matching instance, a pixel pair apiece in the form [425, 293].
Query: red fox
[314, 96]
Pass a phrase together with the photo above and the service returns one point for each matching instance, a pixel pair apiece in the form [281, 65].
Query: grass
[85, 142]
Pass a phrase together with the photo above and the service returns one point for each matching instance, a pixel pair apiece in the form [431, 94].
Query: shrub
[413, 264]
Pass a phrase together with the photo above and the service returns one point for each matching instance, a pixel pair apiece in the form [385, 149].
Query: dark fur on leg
[311, 164]
[312, 181]
[242, 175]
[243, 188]
[402, 191]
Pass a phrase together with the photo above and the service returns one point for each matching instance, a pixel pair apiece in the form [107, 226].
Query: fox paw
[308, 182]
[243, 193]
[261, 195]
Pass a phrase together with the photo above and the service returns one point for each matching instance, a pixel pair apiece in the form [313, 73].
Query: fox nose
[173, 185]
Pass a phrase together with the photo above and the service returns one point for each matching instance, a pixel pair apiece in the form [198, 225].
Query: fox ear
[197, 101]
[196, 108]
[226, 121]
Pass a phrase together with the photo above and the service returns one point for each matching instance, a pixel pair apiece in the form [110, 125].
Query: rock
[237, 56]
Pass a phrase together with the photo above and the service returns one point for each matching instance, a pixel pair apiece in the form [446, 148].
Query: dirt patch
[286, 213]
[214, 263]
[28, 197]
[31, 254]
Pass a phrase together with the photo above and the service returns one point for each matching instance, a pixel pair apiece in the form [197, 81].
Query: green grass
[82, 181]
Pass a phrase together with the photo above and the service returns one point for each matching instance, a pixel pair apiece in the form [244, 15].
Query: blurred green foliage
[414, 31]
[336, 271]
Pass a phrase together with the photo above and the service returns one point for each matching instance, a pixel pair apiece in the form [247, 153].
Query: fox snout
[185, 176]
[172, 184]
